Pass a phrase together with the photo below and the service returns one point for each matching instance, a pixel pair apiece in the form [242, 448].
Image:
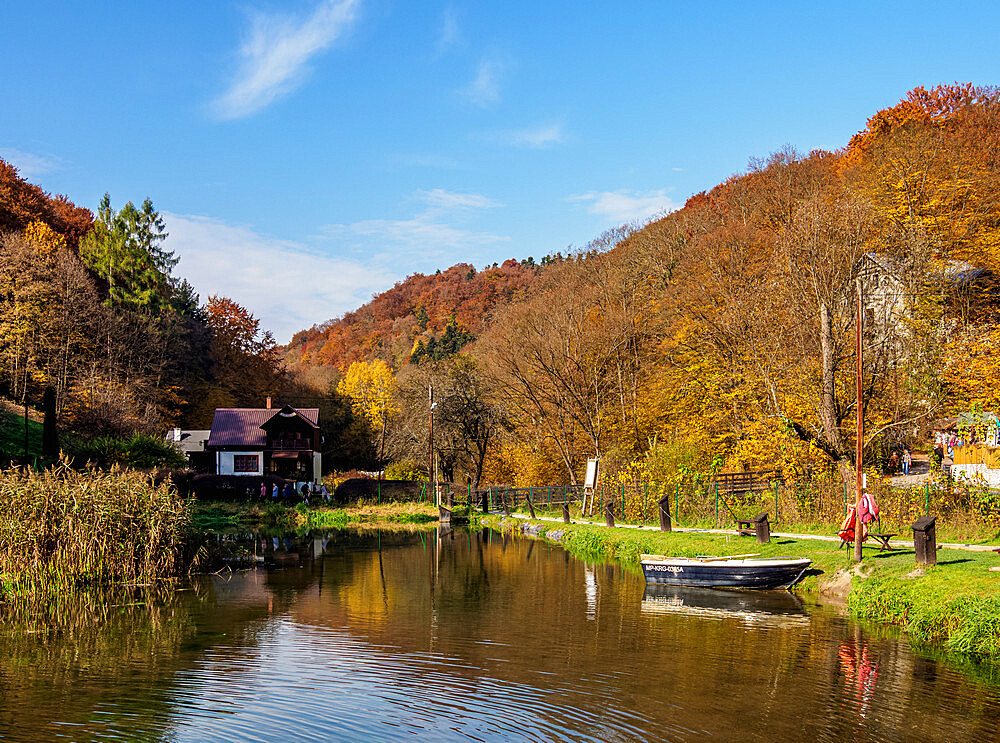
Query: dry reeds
[64, 528]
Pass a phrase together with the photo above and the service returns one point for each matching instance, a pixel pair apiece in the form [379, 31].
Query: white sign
[590, 481]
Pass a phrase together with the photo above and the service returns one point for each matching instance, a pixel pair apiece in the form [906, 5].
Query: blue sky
[308, 154]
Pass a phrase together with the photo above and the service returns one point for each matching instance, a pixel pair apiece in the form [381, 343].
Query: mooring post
[566, 511]
[762, 528]
[609, 513]
[664, 504]
[925, 540]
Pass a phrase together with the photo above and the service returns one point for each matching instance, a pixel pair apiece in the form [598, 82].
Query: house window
[245, 463]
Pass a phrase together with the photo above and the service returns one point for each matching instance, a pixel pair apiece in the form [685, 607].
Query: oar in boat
[730, 557]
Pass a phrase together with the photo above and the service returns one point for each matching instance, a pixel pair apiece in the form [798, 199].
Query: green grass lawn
[946, 532]
[12, 435]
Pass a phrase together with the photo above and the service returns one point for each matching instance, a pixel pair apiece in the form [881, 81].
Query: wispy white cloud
[431, 235]
[450, 34]
[537, 137]
[275, 53]
[30, 165]
[484, 90]
[625, 206]
[286, 284]
[439, 198]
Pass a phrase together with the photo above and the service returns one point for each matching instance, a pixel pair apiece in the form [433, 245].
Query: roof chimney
[268, 406]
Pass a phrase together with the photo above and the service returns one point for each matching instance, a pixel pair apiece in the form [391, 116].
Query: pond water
[470, 636]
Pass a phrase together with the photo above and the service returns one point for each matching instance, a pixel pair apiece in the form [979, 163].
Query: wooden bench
[759, 527]
[883, 540]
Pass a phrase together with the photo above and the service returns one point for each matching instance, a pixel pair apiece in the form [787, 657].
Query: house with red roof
[254, 442]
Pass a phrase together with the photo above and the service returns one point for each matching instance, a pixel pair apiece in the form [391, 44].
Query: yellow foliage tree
[371, 387]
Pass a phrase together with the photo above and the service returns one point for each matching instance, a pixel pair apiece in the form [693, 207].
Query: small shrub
[405, 470]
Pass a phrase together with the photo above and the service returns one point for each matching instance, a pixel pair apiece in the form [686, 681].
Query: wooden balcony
[291, 444]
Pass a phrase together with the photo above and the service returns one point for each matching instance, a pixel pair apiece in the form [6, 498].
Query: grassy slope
[955, 603]
[12, 435]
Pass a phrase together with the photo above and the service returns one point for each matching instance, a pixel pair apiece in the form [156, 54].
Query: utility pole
[861, 428]
[430, 438]
[26, 459]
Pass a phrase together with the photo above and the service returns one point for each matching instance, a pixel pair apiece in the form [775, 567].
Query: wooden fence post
[565, 509]
[609, 513]
[664, 504]
[531, 506]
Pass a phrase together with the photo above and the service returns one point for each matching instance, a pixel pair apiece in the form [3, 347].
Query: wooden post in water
[609, 513]
[664, 504]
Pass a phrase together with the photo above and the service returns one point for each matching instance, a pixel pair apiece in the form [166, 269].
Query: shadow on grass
[884, 554]
[956, 561]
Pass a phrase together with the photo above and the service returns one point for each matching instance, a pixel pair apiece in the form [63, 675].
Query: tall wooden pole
[859, 456]
[430, 443]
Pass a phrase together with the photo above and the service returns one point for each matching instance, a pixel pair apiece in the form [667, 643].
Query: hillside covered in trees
[720, 336]
[432, 316]
[717, 337]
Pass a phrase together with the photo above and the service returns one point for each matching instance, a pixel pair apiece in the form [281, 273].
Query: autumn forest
[718, 337]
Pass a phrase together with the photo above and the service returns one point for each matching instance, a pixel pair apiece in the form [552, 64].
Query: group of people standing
[287, 493]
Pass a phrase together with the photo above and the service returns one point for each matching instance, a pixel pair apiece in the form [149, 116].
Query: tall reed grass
[63, 528]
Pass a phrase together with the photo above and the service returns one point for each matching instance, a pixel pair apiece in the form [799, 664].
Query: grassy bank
[955, 604]
[61, 529]
[219, 515]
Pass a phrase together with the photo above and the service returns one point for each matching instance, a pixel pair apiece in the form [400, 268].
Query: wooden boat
[736, 571]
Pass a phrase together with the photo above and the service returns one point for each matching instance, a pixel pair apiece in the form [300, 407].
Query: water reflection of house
[253, 442]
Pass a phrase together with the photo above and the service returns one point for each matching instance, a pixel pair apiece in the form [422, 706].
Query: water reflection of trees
[512, 609]
[500, 613]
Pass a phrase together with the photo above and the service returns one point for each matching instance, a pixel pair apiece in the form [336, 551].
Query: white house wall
[225, 465]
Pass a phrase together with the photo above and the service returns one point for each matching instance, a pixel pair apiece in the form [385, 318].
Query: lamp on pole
[859, 455]
[431, 480]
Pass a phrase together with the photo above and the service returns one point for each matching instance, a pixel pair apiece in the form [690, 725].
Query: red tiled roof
[242, 426]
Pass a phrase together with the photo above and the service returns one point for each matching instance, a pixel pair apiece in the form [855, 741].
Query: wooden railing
[747, 482]
[291, 444]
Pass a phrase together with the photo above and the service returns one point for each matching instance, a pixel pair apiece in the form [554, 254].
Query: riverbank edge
[211, 515]
[954, 605]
